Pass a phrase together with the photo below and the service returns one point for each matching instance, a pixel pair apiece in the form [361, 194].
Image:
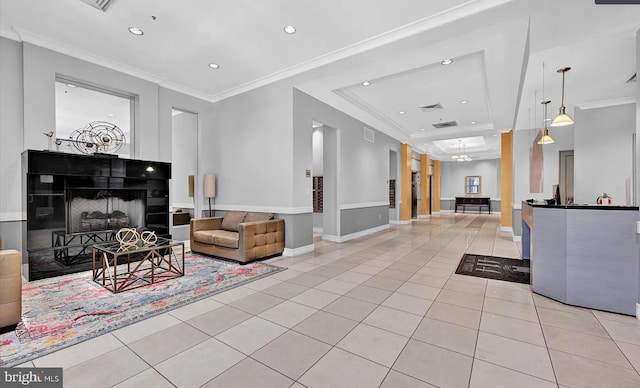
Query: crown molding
[9, 33]
[431, 22]
[606, 103]
[439, 19]
[64, 48]
[395, 130]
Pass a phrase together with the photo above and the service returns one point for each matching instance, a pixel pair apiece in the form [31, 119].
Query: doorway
[566, 177]
[415, 193]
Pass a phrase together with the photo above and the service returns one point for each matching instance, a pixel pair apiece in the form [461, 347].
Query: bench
[479, 202]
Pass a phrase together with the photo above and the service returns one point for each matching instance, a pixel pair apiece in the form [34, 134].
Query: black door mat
[492, 267]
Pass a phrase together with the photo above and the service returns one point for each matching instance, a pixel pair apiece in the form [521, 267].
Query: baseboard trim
[398, 222]
[424, 216]
[291, 252]
[638, 311]
[318, 230]
[506, 229]
[352, 236]
[516, 238]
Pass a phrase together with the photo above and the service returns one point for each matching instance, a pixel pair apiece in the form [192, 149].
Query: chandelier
[461, 156]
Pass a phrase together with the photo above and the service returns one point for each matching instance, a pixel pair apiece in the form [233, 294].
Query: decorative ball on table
[128, 239]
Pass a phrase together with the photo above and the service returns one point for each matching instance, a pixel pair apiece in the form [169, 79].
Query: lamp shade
[562, 119]
[545, 139]
[192, 183]
[210, 186]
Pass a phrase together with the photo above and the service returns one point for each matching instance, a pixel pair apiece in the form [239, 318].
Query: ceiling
[503, 52]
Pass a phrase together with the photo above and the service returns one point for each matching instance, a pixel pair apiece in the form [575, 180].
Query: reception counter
[584, 255]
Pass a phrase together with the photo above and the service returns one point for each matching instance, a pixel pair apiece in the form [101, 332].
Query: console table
[479, 202]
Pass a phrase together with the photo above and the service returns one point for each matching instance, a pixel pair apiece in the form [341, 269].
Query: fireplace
[74, 201]
[98, 210]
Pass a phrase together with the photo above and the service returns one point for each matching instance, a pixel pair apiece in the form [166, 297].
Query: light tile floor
[385, 310]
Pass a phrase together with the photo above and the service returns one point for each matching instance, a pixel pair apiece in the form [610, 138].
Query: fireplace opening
[100, 210]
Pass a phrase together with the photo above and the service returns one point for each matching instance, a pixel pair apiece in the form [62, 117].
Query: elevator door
[415, 197]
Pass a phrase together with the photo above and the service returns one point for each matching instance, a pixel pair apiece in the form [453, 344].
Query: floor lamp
[210, 189]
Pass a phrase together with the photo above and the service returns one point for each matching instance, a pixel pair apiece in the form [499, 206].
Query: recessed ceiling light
[473, 123]
[214, 66]
[447, 62]
[290, 29]
[495, 135]
[136, 31]
[110, 115]
[422, 129]
[366, 83]
[464, 101]
[71, 85]
[401, 112]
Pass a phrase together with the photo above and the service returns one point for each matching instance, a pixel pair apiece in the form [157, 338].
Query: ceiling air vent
[102, 5]
[632, 78]
[369, 135]
[432, 107]
[446, 124]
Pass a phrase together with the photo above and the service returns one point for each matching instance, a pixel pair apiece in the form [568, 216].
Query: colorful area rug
[493, 267]
[63, 311]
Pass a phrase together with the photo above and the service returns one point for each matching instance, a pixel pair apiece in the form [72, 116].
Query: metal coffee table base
[121, 271]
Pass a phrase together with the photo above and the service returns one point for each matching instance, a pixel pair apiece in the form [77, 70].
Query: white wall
[183, 158]
[603, 152]
[317, 144]
[11, 123]
[522, 141]
[453, 175]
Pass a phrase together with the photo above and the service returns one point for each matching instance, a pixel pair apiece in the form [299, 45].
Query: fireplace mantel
[55, 180]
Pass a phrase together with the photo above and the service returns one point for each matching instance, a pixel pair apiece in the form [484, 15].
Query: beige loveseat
[10, 287]
[241, 236]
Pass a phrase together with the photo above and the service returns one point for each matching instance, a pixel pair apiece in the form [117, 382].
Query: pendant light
[545, 139]
[562, 119]
[461, 156]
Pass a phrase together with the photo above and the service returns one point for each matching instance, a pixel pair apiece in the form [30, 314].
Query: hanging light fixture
[461, 156]
[545, 139]
[562, 119]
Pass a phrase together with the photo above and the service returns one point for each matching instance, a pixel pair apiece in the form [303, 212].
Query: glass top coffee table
[120, 268]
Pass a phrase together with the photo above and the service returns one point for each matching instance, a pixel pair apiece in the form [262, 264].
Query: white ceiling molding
[606, 103]
[9, 33]
[439, 19]
[357, 101]
[63, 48]
[431, 22]
[446, 133]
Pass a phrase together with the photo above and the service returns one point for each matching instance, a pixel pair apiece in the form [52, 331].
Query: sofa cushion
[222, 238]
[232, 220]
[252, 216]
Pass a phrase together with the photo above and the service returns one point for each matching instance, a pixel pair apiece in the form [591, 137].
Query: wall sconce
[210, 189]
[562, 119]
[192, 184]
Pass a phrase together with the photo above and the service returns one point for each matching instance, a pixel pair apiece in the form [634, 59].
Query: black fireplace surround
[74, 201]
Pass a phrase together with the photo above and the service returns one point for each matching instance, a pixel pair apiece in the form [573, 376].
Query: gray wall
[357, 220]
[170, 152]
[522, 141]
[453, 177]
[363, 166]
[603, 152]
[27, 109]
[317, 168]
[183, 160]
[11, 123]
